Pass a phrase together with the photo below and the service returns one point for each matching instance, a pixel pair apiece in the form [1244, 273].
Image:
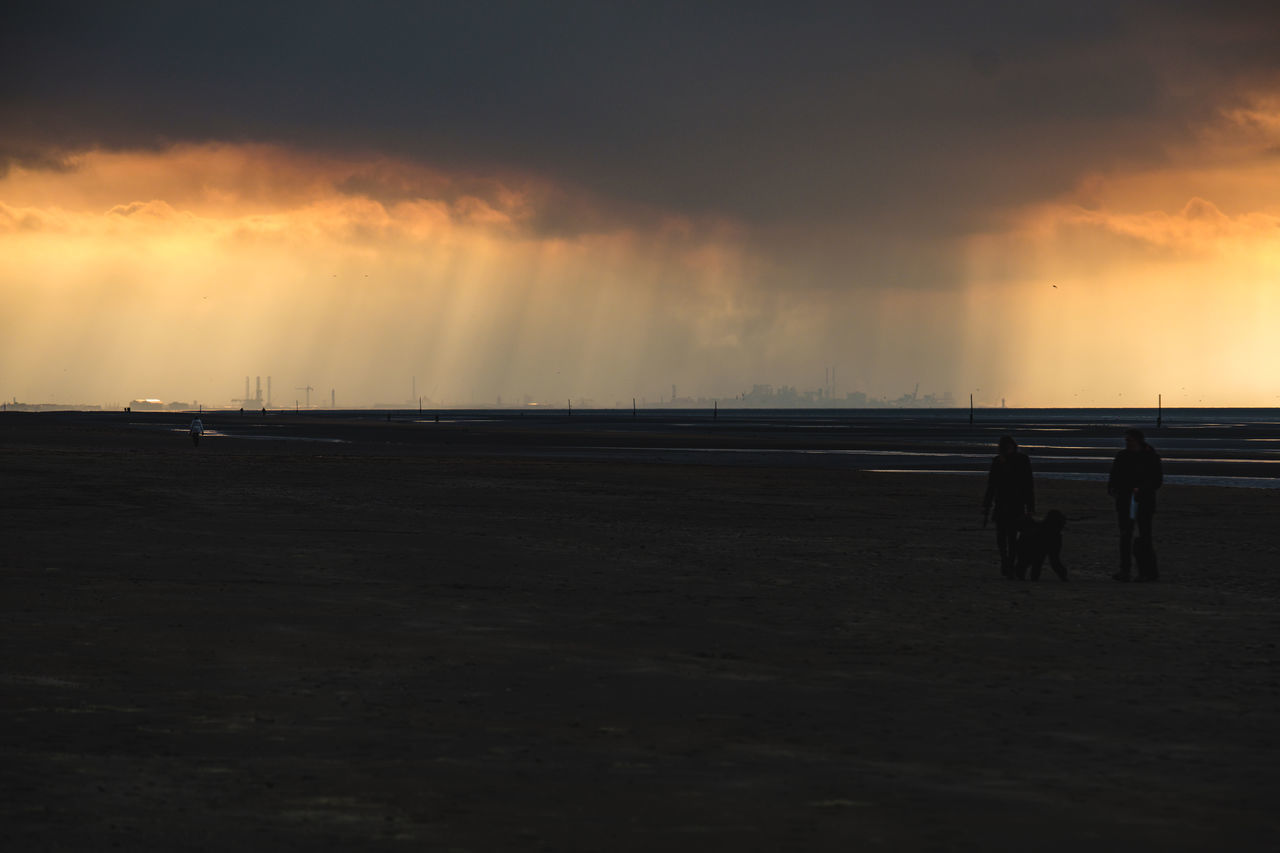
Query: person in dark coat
[1011, 492]
[1135, 476]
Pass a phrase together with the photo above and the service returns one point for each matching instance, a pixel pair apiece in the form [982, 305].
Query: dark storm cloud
[921, 116]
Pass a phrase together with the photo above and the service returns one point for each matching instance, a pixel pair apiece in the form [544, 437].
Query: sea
[1199, 447]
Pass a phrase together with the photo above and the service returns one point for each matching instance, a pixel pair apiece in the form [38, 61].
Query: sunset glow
[190, 267]
[1080, 257]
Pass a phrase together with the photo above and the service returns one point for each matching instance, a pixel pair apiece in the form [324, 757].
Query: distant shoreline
[1169, 413]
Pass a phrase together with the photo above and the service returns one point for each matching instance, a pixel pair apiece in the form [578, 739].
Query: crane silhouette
[306, 388]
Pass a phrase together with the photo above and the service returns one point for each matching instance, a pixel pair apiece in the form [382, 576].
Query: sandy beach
[382, 644]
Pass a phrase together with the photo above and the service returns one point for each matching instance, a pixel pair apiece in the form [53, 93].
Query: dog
[1038, 540]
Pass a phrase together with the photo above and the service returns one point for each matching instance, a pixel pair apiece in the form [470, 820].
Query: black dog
[1038, 540]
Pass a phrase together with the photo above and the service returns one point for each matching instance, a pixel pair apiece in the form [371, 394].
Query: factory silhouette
[759, 396]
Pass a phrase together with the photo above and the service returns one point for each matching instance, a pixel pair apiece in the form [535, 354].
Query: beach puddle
[40, 681]
[1171, 479]
[214, 433]
[248, 437]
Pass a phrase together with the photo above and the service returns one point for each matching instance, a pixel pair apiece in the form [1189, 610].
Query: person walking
[1135, 475]
[1011, 491]
[197, 430]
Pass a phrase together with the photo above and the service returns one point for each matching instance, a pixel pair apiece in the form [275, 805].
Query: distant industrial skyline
[759, 395]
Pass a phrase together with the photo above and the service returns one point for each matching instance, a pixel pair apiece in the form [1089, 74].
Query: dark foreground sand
[274, 645]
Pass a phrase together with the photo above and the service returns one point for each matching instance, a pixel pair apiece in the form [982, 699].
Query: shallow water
[1171, 479]
[1198, 447]
[213, 433]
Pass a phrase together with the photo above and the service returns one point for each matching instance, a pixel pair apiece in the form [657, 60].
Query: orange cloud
[345, 272]
[174, 273]
[1157, 281]
[28, 219]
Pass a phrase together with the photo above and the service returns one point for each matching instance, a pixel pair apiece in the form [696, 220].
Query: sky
[1051, 204]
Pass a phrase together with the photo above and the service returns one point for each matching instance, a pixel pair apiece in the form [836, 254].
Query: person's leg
[1019, 556]
[1015, 540]
[1126, 541]
[1015, 522]
[1004, 542]
[1147, 558]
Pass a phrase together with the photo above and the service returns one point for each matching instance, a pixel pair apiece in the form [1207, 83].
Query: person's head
[1134, 439]
[1007, 445]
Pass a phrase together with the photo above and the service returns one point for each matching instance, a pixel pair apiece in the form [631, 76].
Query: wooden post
[970, 410]
[1159, 410]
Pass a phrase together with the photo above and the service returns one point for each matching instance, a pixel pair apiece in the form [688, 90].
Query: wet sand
[451, 644]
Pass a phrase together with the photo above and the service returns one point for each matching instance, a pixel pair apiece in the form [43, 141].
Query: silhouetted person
[197, 430]
[1039, 540]
[1011, 490]
[1135, 476]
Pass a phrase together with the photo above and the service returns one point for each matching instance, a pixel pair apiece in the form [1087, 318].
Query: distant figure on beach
[1135, 476]
[1011, 490]
[197, 430]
